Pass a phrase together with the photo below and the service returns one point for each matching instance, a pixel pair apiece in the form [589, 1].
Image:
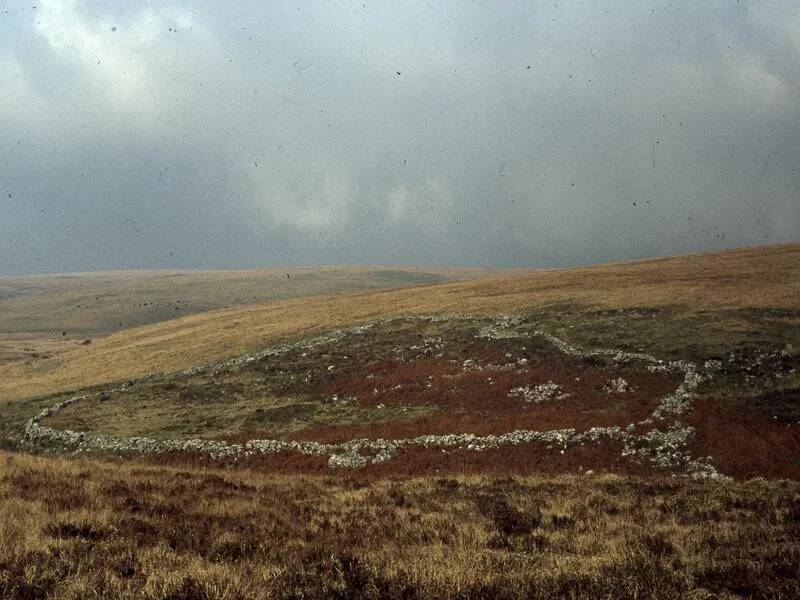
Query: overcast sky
[172, 134]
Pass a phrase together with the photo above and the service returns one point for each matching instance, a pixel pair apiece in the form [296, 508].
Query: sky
[177, 134]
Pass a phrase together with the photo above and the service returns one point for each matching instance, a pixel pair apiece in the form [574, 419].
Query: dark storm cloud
[268, 134]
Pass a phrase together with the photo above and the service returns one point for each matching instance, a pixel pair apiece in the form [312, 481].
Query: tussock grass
[84, 528]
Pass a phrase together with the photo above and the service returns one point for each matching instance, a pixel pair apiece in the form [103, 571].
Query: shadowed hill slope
[86, 304]
[764, 277]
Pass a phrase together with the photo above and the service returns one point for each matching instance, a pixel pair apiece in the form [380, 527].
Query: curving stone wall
[665, 448]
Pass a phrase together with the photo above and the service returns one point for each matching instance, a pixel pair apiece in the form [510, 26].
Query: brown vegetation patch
[781, 406]
[521, 459]
[283, 463]
[743, 442]
[478, 402]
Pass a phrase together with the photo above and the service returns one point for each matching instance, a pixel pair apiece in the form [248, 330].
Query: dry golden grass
[92, 529]
[750, 277]
[22, 347]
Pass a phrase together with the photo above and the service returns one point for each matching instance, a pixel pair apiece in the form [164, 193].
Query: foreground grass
[83, 529]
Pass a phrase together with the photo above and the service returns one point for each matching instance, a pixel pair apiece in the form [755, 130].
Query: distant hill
[86, 304]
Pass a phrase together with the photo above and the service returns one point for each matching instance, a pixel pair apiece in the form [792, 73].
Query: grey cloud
[267, 134]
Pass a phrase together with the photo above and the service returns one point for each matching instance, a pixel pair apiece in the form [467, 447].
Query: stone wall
[666, 449]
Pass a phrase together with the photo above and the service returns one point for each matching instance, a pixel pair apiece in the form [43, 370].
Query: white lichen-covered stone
[537, 394]
[617, 386]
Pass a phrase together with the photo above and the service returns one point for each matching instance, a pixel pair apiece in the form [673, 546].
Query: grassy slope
[753, 277]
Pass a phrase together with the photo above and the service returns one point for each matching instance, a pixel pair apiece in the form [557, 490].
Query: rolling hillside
[85, 304]
[44, 315]
[720, 282]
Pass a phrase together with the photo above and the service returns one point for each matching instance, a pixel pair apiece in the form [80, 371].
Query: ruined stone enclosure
[408, 394]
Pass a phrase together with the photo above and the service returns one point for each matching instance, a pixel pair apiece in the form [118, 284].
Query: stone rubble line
[664, 449]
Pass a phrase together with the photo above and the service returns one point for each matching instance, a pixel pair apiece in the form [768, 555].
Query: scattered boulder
[617, 386]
